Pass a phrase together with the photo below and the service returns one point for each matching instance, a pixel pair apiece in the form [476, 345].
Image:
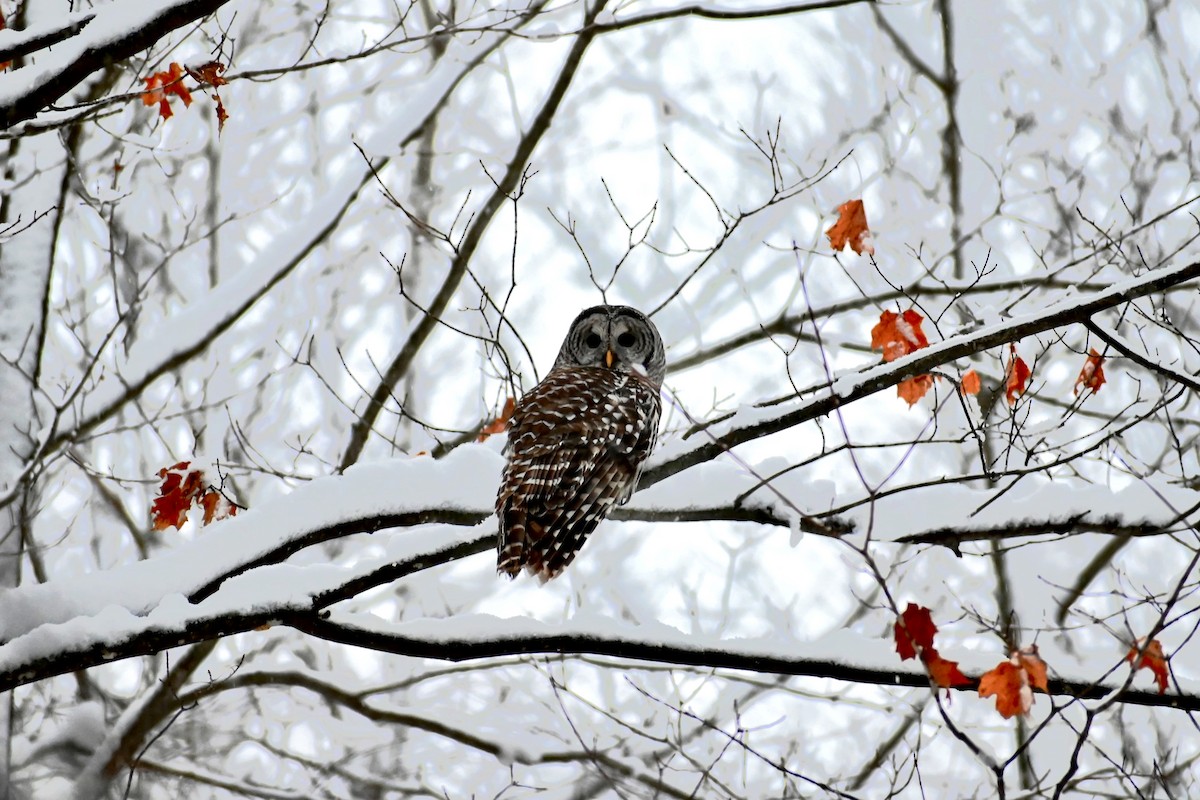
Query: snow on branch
[118, 30]
[232, 578]
[15, 44]
[754, 423]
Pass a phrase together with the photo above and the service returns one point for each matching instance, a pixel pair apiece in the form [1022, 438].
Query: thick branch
[289, 610]
[450, 649]
[30, 40]
[60, 78]
[1111, 526]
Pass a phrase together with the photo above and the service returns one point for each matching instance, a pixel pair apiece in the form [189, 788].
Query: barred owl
[577, 440]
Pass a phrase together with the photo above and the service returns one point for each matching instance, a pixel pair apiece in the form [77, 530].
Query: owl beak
[608, 358]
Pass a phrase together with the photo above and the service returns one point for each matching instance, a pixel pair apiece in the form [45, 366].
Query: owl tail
[520, 548]
[510, 549]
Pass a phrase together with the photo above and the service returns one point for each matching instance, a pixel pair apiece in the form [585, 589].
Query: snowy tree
[922, 518]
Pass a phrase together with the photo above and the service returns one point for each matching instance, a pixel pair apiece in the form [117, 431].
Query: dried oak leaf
[222, 114]
[851, 229]
[1092, 374]
[1012, 682]
[970, 382]
[209, 73]
[500, 423]
[1015, 376]
[179, 489]
[1153, 659]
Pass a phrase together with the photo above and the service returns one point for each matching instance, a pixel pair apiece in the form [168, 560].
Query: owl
[577, 440]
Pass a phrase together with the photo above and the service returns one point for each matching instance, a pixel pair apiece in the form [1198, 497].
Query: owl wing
[576, 445]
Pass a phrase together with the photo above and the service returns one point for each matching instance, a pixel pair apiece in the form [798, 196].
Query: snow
[287, 163]
[111, 23]
[10, 38]
[463, 480]
[849, 385]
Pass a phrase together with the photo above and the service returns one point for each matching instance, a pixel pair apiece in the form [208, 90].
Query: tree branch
[866, 382]
[448, 648]
[61, 77]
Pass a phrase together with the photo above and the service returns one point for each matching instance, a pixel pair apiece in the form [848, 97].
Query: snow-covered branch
[755, 423]
[120, 29]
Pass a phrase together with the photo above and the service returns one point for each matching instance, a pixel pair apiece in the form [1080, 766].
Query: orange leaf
[1153, 659]
[913, 389]
[179, 487]
[1016, 375]
[1092, 374]
[1012, 682]
[175, 85]
[944, 672]
[216, 507]
[500, 423]
[970, 382]
[161, 84]
[898, 335]
[1034, 667]
[1005, 683]
[153, 93]
[913, 631]
[851, 229]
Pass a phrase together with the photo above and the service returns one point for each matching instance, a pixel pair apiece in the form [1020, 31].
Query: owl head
[615, 337]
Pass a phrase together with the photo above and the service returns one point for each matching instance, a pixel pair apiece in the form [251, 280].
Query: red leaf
[914, 631]
[1153, 659]
[179, 488]
[1092, 374]
[851, 229]
[183, 487]
[970, 382]
[1016, 375]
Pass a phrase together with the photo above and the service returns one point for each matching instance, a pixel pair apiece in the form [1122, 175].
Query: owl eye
[593, 340]
[626, 339]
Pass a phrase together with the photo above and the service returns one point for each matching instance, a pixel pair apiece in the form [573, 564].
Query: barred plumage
[577, 441]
